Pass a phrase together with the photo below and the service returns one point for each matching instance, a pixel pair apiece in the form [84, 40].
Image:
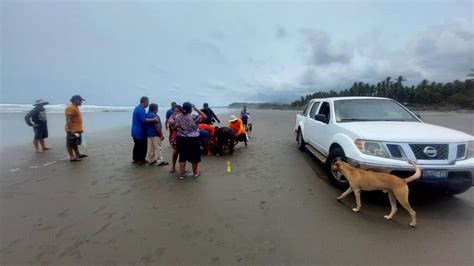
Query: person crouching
[237, 125]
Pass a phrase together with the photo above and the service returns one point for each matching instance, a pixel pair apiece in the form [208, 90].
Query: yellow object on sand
[229, 168]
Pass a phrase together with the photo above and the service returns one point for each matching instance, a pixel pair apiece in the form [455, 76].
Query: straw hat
[40, 102]
[233, 118]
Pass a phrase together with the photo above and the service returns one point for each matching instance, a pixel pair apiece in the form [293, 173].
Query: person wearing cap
[238, 126]
[74, 128]
[36, 118]
[211, 116]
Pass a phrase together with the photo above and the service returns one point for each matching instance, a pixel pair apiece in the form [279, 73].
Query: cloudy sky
[221, 52]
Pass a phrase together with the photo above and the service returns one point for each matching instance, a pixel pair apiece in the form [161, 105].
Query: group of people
[191, 133]
[36, 118]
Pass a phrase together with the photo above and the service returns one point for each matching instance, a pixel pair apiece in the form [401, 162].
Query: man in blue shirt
[155, 137]
[139, 135]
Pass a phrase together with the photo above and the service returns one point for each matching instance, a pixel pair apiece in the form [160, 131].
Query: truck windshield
[371, 110]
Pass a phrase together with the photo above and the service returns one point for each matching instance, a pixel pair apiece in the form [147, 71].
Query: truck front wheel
[300, 140]
[335, 177]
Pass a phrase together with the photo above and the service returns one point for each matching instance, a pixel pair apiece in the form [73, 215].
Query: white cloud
[442, 52]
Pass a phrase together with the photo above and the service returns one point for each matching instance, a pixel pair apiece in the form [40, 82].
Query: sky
[220, 52]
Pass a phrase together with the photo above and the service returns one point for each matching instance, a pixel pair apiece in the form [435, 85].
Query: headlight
[373, 148]
[470, 150]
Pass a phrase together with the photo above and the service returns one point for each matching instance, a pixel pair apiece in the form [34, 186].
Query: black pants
[139, 149]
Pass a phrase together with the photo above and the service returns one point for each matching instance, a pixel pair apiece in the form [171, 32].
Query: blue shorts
[203, 135]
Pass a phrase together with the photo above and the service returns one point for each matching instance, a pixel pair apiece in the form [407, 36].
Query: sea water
[96, 119]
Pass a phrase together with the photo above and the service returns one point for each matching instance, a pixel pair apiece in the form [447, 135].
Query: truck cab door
[310, 124]
[322, 128]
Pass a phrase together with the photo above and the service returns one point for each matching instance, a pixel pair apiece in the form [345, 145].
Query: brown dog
[396, 187]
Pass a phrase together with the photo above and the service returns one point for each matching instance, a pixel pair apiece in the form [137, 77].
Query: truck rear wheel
[300, 140]
[335, 177]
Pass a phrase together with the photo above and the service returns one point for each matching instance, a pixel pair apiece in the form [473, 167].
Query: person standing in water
[74, 128]
[36, 118]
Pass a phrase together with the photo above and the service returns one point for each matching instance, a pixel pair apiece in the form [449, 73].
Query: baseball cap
[77, 98]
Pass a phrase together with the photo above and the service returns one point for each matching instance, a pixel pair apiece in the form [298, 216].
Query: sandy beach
[275, 207]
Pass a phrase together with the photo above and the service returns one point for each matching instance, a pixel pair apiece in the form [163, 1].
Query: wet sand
[276, 207]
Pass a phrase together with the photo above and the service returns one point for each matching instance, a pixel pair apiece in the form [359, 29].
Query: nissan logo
[430, 151]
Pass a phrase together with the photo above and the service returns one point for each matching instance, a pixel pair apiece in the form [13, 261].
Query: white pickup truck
[380, 134]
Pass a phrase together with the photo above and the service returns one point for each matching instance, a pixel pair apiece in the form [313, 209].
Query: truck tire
[336, 179]
[300, 140]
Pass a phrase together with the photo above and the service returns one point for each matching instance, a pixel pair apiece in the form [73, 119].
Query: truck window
[325, 110]
[314, 108]
[305, 111]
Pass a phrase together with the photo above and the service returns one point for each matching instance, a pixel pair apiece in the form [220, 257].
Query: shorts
[72, 141]
[203, 135]
[40, 132]
[189, 149]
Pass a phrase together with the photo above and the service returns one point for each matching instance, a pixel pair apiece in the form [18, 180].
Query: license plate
[435, 174]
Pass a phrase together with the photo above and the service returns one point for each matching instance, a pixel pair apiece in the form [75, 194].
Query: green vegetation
[426, 95]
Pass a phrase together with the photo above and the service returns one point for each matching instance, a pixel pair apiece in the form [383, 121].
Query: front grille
[395, 151]
[442, 151]
[461, 151]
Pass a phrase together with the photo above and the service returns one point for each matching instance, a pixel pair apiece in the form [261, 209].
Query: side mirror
[321, 118]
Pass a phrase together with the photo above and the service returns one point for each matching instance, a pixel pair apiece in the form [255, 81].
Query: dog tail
[415, 176]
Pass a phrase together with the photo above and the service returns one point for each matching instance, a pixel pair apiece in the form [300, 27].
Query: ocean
[96, 119]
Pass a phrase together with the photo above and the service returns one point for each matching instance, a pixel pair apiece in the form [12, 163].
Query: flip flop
[75, 160]
[163, 163]
[83, 156]
[197, 175]
[181, 177]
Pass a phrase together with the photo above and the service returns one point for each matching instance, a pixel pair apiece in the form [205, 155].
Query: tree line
[451, 95]
[426, 95]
